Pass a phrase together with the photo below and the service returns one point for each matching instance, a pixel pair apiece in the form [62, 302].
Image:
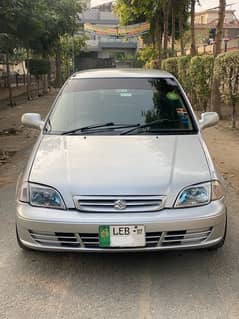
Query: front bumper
[59, 230]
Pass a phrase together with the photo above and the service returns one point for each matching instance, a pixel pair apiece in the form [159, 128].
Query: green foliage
[9, 10]
[38, 25]
[202, 75]
[147, 54]
[184, 72]
[38, 67]
[153, 65]
[70, 46]
[132, 11]
[156, 13]
[171, 65]
[195, 74]
[226, 70]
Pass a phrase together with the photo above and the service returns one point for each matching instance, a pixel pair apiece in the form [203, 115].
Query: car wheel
[221, 243]
[20, 244]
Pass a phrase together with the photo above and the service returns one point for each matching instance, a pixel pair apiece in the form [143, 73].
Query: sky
[205, 4]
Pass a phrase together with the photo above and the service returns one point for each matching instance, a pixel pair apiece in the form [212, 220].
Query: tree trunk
[166, 14]
[28, 77]
[67, 68]
[173, 31]
[234, 115]
[152, 34]
[181, 31]
[193, 41]
[24, 72]
[49, 75]
[11, 102]
[158, 40]
[44, 76]
[58, 69]
[220, 24]
[45, 83]
[38, 86]
[216, 96]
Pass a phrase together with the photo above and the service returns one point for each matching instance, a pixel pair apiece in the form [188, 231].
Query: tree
[166, 5]
[7, 45]
[179, 22]
[70, 47]
[165, 18]
[193, 42]
[28, 22]
[39, 25]
[63, 19]
[220, 24]
[226, 70]
[133, 11]
[215, 98]
[8, 40]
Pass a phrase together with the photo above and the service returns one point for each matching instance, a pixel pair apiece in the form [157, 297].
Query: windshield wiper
[148, 125]
[96, 126]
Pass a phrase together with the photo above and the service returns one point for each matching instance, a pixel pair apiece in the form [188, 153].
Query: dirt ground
[16, 141]
[223, 143]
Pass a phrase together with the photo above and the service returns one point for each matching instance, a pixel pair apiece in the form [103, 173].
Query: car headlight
[198, 195]
[41, 196]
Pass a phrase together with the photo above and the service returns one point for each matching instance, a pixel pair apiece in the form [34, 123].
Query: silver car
[120, 165]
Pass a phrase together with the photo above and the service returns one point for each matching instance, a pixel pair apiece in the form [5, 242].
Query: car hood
[119, 165]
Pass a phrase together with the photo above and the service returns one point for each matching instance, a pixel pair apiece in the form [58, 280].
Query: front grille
[185, 237]
[109, 204]
[86, 240]
[91, 240]
[56, 239]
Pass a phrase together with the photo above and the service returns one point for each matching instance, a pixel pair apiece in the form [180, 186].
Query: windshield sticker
[125, 94]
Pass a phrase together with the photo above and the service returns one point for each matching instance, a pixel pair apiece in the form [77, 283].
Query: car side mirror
[208, 119]
[32, 120]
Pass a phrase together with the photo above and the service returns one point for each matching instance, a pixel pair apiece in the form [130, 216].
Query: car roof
[120, 73]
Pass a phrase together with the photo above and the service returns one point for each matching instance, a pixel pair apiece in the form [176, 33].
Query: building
[207, 21]
[102, 50]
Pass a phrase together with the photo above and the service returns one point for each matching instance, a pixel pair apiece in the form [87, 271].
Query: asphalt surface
[189, 284]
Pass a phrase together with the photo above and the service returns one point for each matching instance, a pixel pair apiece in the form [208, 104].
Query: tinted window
[86, 102]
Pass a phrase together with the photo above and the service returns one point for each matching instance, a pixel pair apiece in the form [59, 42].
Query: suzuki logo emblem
[120, 204]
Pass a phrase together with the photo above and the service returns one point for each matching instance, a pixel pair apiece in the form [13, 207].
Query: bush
[226, 69]
[147, 54]
[154, 64]
[197, 74]
[171, 65]
[201, 70]
[38, 67]
[184, 73]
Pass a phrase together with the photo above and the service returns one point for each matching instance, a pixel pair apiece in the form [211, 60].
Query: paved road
[190, 284]
[197, 284]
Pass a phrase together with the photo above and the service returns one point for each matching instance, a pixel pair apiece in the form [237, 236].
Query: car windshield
[114, 105]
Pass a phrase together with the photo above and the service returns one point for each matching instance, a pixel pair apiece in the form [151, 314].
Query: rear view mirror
[32, 120]
[208, 119]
